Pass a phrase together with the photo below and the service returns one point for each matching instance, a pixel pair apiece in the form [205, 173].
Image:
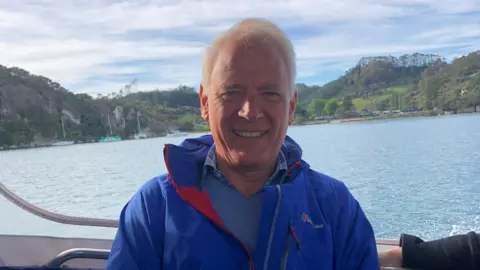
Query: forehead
[254, 58]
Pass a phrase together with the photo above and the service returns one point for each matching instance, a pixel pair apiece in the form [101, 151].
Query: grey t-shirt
[239, 214]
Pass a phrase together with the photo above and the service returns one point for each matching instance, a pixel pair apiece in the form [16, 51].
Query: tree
[301, 112]
[316, 107]
[331, 107]
[339, 112]
[395, 101]
[430, 86]
[347, 104]
[382, 105]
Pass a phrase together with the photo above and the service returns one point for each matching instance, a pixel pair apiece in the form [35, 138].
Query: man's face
[248, 103]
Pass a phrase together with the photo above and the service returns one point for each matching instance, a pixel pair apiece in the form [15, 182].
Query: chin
[249, 159]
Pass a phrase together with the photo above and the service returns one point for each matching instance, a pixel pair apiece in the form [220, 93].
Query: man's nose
[251, 109]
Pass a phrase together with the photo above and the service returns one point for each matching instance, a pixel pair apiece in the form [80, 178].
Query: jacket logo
[307, 219]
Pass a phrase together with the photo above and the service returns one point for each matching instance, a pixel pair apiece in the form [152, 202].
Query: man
[460, 252]
[243, 198]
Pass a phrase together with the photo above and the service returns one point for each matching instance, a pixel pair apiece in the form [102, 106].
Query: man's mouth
[249, 134]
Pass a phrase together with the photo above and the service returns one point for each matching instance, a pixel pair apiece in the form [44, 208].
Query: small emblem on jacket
[306, 218]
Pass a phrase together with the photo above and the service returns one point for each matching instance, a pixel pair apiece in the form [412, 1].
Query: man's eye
[230, 94]
[271, 95]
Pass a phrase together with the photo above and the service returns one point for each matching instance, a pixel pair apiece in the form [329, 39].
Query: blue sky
[99, 46]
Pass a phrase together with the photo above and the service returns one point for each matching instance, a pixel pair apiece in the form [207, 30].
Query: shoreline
[372, 118]
[307, 123]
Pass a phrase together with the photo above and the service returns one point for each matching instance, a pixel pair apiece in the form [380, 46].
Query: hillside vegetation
[408, 83]
[32, 107]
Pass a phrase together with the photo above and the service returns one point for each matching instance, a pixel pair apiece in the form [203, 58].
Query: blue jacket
[311, 222]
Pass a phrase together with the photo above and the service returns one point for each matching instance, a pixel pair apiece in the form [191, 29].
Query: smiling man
[243, 197]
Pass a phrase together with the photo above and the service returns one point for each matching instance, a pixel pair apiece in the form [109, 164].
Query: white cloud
[98, 46]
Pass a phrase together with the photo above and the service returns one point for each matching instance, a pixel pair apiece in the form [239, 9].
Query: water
[417, 175]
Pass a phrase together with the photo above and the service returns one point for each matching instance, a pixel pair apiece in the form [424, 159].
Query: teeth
[249, 134]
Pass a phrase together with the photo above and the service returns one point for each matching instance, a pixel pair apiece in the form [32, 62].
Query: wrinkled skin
[249, 91]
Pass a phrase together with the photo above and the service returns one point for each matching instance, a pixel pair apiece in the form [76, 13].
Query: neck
[247, 179]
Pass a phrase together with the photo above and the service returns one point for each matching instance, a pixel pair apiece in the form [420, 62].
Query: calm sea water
[417, 175]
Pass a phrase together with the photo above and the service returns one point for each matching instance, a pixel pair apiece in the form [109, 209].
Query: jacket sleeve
[137, 245]
[354, 239]
[455, 252]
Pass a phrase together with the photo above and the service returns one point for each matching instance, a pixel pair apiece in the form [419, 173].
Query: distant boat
[110, 138]
[63, 142]
[139, 135]
[177, 134]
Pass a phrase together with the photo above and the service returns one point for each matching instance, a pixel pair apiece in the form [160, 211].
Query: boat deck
[58, 253]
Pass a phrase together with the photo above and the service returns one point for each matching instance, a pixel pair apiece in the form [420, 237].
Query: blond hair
[251, 29]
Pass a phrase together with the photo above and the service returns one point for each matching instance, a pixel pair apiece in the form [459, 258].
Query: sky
[98, 46]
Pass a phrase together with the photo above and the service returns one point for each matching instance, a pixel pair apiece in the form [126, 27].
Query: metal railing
[387, 242]
[96, 222]
[37, 211]
[78, 253]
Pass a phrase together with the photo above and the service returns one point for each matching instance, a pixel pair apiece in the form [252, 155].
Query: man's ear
[203, 103]
[292, 107]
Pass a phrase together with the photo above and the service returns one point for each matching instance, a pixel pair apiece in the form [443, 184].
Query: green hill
[410, 82]
[31, 108]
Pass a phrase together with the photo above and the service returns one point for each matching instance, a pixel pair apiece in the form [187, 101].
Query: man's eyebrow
[228, 86]
[268, 86]
[263, 87]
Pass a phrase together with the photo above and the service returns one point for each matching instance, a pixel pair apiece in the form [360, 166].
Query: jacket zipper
[285, 253]
[272, 230]
[291, 233]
